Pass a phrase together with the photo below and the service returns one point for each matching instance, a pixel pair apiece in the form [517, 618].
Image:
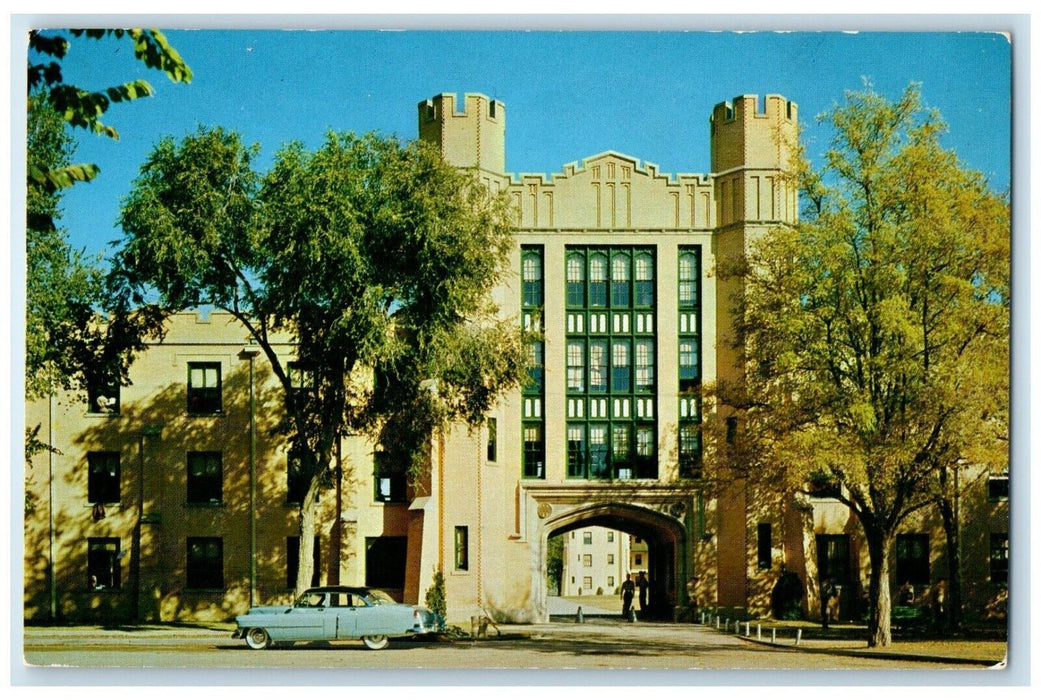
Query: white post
[773, 635]
[798, 636]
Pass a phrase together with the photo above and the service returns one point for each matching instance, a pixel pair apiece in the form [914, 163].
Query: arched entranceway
[666, 539]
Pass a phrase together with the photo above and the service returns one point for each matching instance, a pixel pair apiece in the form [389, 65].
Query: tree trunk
[951, 605]
[880, 633]
[308, 516]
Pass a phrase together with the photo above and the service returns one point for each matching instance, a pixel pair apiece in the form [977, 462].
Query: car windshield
[377, 597]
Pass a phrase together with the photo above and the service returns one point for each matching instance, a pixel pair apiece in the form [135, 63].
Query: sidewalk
[851, 640]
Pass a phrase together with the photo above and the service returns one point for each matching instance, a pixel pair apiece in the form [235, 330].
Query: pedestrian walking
[628, 590]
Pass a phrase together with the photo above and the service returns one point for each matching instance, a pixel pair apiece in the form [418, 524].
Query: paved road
[599, 644]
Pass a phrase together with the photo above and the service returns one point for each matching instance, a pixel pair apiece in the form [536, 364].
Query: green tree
[367, 253]
[875, 333]
[84, 108]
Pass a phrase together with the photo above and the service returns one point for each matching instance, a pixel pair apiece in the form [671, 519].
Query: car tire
[376, 641]
[257, 638]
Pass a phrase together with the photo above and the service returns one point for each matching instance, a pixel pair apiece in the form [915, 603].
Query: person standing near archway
[628, 589]
[641, 584]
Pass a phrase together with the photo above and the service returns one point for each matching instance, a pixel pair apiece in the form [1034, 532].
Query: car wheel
[376, 641]
[257, 638]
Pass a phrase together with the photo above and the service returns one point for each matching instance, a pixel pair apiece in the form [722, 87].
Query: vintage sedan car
[336, 612]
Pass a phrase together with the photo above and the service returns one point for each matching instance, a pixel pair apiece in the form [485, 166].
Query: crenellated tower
[752, 143]
[752, 146]
[472, 138]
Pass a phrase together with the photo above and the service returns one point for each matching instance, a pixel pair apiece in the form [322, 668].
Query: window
[690, 450]
[576, 370]
[610, 558]
[587, 538]
[204, 388]
[764, 546]
[621, 449]
[688, 279]
[103, 563]
[385, 562]
[389, 479]
[598, 280]
[575, 280]
[205, 569]
[293, 561]
[296, 481]
[688, 364]
[731, 430]
[610, 581]
[645, 365]
[620, 280]
[531, 277]
[534, 452]
[576, 450]
[587, 583]
[620, 372]
[587, 560]
[493, 439]
[535, 367]
[103, 477]
[205, 478]
[997, 488]
[833, 558]
[638, 559]
[102, 397]
[644, 281]
[301, 381]
[462, 548]
[609, 356]
[912, 559]
[598, 467]
[610, 535]
[598, 367]
[999, 557]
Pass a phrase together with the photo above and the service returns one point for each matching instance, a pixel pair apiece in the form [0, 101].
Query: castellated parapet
[748, 134]
[472, 138]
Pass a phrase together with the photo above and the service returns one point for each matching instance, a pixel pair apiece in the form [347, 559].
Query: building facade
[173, 501]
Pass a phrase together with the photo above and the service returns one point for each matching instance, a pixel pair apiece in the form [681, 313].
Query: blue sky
[568, 94]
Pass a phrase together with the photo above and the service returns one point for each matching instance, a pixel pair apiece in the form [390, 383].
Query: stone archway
[666, 536]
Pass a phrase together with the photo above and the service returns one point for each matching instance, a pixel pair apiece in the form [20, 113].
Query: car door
[344, 616]
[306, 620]
[369, 618]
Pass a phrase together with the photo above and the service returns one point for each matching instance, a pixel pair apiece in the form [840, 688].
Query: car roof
[339, 589]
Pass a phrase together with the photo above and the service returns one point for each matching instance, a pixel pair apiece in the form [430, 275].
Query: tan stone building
[614, 263]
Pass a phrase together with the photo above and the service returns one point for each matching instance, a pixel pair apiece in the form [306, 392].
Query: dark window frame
[385, 562]
[462, 548]
[204, 570]
[205, 400]
[534, 451]
[103, 485]
[390, 481]
[998, 558]
[997, 488]
[492, 451]
[764, 546]
[104, 570]
[109, 390]
[205, 488]
[911, 550]
[835, 565]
